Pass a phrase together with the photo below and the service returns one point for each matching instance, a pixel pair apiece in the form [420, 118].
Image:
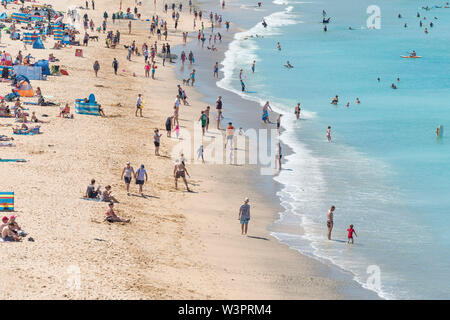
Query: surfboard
[251, 91]
[409, 57]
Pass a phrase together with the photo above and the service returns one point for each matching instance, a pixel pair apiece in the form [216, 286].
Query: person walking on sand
[139, 105]
[141, 177]
[207, 110]
[329, 133]
[129, 27]
[219, 105]
[96, 67]
[156, 141]
[278, 156]
[192, 76]
[115, 65]
[147, 70]
[180, 171]
[244, 216]
[265, 116]
[127, 175]
[351, 231]
[230, 135]
[169, 126]
[203, 118]
[330, 222]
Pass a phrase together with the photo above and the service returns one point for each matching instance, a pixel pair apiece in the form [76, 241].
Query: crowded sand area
[178, 245]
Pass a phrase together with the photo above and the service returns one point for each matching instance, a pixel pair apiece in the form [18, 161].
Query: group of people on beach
[11, 231]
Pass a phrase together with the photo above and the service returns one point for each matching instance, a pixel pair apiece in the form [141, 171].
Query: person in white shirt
[139, 105]
[140, 175]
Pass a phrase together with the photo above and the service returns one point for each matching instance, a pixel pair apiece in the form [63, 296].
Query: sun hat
[246, 199]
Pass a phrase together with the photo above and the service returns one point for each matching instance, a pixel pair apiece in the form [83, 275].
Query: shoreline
[348, 286]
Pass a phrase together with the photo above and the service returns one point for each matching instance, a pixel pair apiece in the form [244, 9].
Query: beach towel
[7, 144]
[91, 199]
[24, 133]
[13, 160]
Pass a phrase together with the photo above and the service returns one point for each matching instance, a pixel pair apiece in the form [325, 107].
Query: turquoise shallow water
[385, 171]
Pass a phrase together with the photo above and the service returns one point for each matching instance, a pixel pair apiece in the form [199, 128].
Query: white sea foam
[304, 183]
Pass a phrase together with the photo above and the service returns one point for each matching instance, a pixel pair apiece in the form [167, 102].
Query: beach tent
[3, 16]
[89, 108]
[38, 44]
[31, 72]
[44, 65]
[25, 89]
[21, 17]
[6, 201]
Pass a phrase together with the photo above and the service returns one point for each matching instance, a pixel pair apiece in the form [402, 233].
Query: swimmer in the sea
[393, 86]
[288, 65]
[335, 100]
[279, 46]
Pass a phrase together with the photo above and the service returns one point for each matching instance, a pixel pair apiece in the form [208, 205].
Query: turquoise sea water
[384, 170]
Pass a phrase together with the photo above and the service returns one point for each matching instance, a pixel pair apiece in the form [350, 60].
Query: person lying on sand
[35, 119]
[111, 215]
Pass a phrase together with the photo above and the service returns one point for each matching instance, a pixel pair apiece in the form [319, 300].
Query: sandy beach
[179, 245]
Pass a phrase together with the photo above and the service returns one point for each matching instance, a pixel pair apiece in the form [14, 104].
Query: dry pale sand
[179, 244]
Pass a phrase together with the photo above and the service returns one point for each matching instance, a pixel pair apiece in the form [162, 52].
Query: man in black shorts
[219, 111]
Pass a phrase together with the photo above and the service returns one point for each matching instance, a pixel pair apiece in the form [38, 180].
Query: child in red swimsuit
[351, 231]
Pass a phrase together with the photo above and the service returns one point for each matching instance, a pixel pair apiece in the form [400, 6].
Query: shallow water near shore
[384, 170]
[246, 114]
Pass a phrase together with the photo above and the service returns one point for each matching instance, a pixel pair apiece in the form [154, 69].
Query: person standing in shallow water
[244, 216]
[330, 222]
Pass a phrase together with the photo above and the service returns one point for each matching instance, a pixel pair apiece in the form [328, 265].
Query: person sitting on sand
[91, 192]
[64, 111]
[111, 215]
[8, 234]
[335, 100]
[58, 45]
[38, 92]
[4, 223]
[16, 228]
[100, 111]
[107, 196]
